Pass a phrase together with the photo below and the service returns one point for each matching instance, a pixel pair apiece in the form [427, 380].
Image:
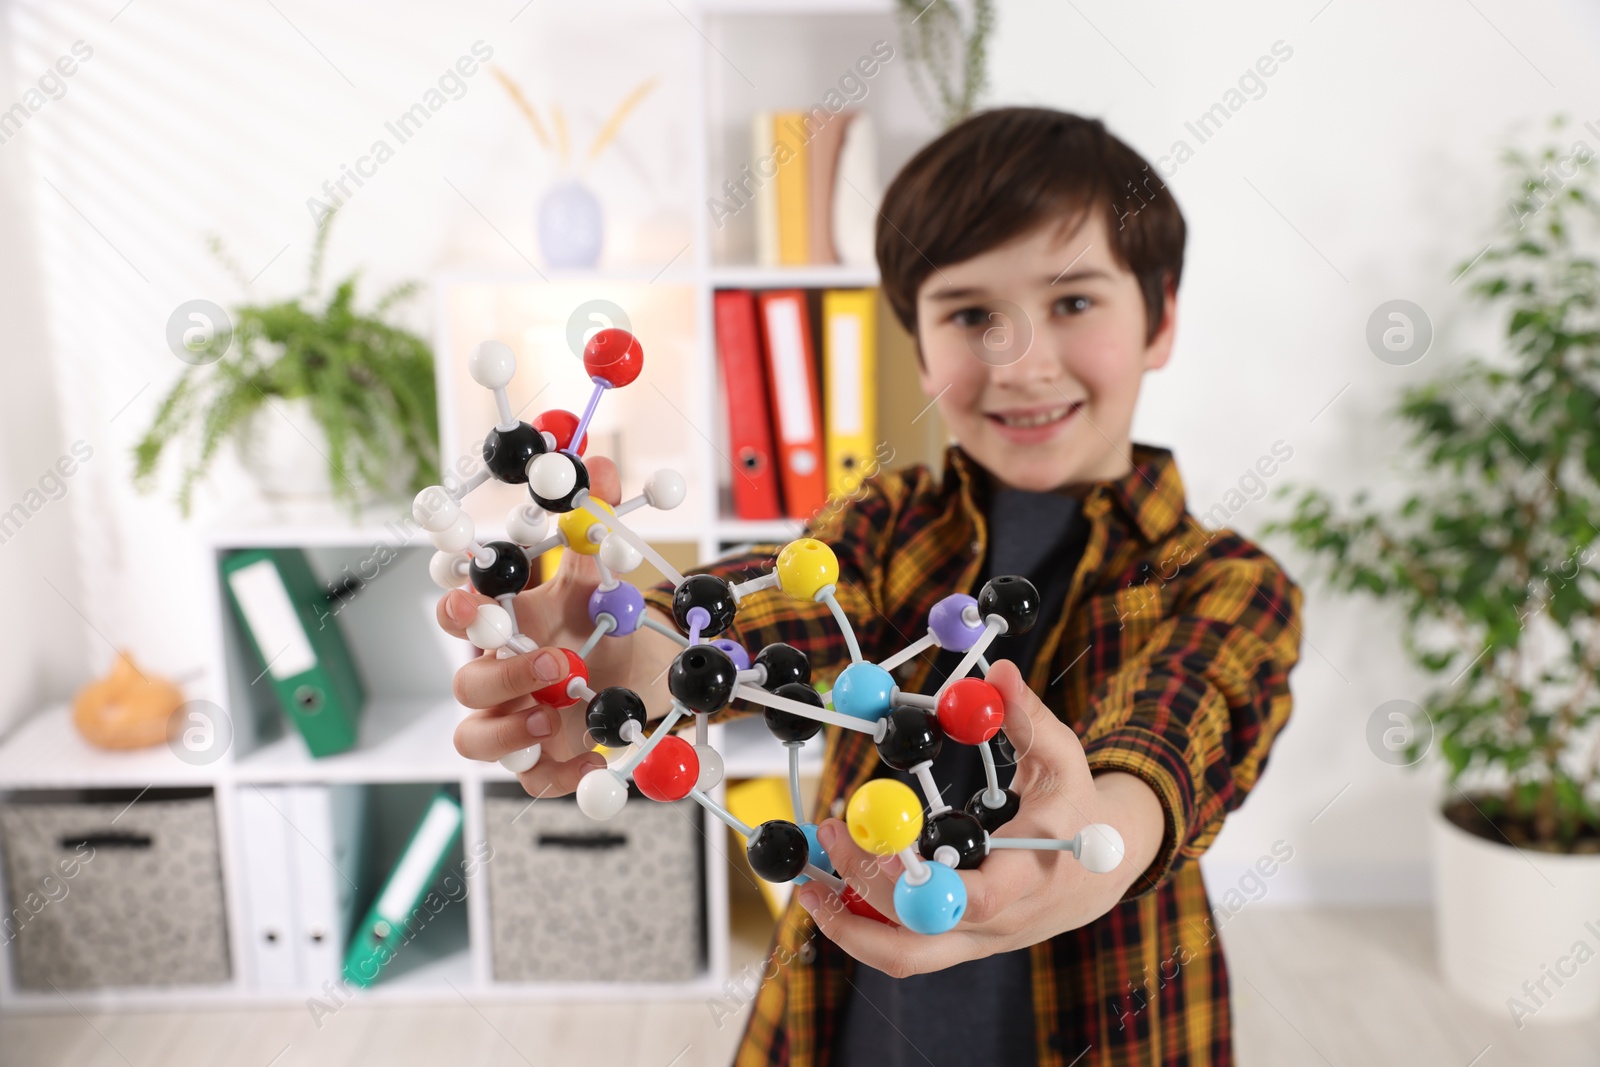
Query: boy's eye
[1073, 305]
[971, 317]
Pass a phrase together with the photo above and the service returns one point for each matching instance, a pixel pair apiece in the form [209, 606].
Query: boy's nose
[1034, 361]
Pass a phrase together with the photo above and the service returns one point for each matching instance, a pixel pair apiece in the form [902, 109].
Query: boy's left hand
[1018, 897]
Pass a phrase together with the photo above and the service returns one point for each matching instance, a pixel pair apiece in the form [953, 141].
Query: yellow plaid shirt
[1170, 660]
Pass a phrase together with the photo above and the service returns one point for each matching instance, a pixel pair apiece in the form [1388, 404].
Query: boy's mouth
[1031, 418]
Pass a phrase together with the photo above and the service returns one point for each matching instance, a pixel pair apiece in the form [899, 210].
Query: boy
[1026, 254]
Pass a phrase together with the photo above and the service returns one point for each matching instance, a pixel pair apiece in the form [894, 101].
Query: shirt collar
[1150, 496]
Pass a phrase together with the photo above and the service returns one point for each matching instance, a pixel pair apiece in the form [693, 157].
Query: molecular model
[885, 816]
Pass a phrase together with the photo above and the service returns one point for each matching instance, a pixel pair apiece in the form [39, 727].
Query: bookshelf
[673, 416]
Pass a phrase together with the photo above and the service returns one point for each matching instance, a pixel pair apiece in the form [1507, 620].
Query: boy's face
[1045, 327]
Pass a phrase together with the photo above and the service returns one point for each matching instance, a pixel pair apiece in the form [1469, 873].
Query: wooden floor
[1348, 988]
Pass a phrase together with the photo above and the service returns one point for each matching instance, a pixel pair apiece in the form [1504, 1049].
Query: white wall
[1376, 142]
[190, 119]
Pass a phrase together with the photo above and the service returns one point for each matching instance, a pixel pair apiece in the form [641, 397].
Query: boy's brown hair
[1001, 172]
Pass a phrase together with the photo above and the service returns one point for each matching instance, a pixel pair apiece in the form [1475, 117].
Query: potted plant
[319, 398]
[1492, 559]
[949, 56]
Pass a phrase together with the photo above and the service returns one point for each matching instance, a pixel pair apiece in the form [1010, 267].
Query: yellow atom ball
[575, 526]
[884, 816]
[805, 566]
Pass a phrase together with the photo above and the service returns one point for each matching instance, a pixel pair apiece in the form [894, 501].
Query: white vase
[1518, 931]
[285, 451]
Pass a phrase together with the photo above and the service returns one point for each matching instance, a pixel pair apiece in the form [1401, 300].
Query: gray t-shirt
[978, 1011]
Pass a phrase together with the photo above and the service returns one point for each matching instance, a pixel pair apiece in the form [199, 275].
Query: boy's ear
[1159, 350]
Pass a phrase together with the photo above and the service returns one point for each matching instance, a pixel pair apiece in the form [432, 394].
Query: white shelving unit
[671, 417]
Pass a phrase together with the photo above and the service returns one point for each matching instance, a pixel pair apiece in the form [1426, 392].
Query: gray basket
[104, 893]
[576, 900]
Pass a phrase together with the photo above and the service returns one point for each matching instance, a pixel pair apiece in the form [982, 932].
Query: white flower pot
[1518, 931]
[285, 450]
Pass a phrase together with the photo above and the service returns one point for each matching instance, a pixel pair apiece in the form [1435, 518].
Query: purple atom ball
[735, 651]
[624, 603]
[952, 631]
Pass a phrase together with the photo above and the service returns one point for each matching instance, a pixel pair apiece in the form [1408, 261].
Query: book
[298, 644]
[397, 913]
[792, 155]
[763, 144]
[792, 384]
[754, 477]
[849, 373]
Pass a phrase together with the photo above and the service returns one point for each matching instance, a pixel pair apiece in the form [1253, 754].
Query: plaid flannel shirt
[1170, 660]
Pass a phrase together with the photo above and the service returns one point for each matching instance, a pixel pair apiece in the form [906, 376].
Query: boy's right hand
[554, 613]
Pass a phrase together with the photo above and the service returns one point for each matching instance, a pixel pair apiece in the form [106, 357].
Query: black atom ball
[567, 501]
[994, 818]
[702, 678]
[784, 664]
[506, 452]
[709, 592]
[786, 725]
[959, 830]
[778, 850]
[610, 708]
[910, 736]
[507, 574]
[1013, 598]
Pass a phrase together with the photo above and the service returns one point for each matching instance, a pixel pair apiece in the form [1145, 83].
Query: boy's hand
[1018, 897]
[552, 613]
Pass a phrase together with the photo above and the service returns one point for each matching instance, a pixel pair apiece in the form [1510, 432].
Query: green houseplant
[367, 383]
[949, 59]
[1493, 560]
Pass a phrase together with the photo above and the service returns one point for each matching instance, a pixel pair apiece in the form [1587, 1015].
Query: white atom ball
[492, 365]
[664, 489]
[523, 759]
[710, 768]
[455, 537]
[527, 524]
[618, 555]
[435, 509]
[602, 793]
[551, 475]
[1100, 848]
[448, 569]
[491, 629]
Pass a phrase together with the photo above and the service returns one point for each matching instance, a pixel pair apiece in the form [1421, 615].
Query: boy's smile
[1034, 351]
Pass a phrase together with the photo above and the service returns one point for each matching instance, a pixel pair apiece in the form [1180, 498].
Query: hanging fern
[369, 383]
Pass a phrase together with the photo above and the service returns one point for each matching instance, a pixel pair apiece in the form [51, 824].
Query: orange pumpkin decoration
[125, 709]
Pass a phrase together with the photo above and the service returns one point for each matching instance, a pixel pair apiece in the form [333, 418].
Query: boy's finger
[557, 778]
[1033, 729]
[489, 680]
[871, 875]
[1006, 877]
[894, 950]
[604, 480]
[457, 609]
[487, 735]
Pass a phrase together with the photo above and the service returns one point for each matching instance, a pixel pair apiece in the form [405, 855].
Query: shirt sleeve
[858, 529]
[1194, 711]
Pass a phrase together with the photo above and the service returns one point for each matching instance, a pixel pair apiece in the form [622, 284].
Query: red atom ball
[670, 770]
[614, 356]
[971, 711]
[561, 425]
[857, 905]
[555, 695]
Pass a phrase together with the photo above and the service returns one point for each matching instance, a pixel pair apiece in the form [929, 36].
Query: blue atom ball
[862, 691]
[819, 858]
[936, 905]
